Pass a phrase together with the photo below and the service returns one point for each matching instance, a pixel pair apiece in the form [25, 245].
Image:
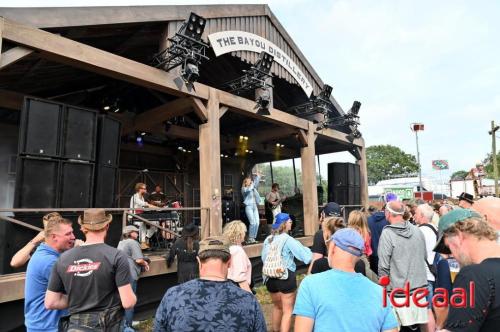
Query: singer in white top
[137, 203]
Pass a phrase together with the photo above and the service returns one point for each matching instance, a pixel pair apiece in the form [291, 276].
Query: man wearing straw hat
[93, 280]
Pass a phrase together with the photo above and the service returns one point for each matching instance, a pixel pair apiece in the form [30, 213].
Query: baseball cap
[349, 240]
[280, 219]
[220, 243]
[332, 209]
[130, 229]
[389, 197]
[449, 220]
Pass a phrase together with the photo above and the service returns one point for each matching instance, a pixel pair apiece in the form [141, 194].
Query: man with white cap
[93, 280]
[335, 300]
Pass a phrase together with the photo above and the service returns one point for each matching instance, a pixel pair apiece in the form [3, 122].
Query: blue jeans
[253, 218]
[129, 313]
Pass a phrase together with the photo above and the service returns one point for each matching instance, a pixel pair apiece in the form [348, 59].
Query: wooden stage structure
[81, 55]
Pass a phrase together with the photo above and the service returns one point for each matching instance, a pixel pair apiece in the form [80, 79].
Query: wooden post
[363, 176]
[310, 194]
[210, 173]
[1, 30]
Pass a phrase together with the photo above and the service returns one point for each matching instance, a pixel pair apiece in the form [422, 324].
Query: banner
[232, 41]
[402, 193]
[440, 164]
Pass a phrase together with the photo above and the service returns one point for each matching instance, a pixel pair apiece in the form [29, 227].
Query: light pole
[416, 127]
[494, 154]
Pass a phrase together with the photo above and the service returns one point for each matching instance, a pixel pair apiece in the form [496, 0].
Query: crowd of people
[376, 271]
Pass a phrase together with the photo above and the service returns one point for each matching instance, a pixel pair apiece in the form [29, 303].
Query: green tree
[488, 165]
[459, 175]
[384, 161]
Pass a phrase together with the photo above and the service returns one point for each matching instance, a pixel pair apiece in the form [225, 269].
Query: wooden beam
[160, 114]
[199, 109]
[1, 35]
[223, 111]
[302, 136]
[146, 148]
[363, 172]
[183, 132]
[13, 55]
[338, 137]
[308, 159]
[210, 172]
[248, 108]
[11, 100]
[63, 50]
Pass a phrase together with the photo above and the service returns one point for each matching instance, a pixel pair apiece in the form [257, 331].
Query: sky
[433, 62]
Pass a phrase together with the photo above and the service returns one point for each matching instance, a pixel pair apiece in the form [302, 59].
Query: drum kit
[171, 220]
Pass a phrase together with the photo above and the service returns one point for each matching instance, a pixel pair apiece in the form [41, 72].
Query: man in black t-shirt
[93, 281]
[318, 248]
[472, 241]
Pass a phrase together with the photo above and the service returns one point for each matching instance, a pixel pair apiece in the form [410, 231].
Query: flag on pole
[440, 164]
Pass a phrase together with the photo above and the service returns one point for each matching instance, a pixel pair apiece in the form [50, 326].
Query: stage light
[263, 101]
[355, 107]
[138, 139]
[106, 108]
[246, 138]
[282, 145]
[143, 133]
[246, 150]
[277, 145]
[195, 26]
[186, 49]
[264, 62]
[319, 104]
[250, 151]
[190, 72]
[326, 92]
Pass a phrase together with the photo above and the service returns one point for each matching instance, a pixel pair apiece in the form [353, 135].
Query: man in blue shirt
[59, 237]
[340, 299]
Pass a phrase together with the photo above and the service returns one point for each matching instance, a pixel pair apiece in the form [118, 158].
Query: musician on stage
[158, 198]
[137, 203]
[274, 199]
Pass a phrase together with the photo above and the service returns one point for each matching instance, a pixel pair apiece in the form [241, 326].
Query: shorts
[412, 314]
[288, 285]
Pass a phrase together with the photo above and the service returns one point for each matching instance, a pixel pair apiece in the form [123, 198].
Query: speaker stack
[344, 183]
[107, 162]
[66, 155]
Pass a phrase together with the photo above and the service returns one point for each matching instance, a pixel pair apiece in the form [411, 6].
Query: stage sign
[232, 41]
[402, 193]
[440, 164]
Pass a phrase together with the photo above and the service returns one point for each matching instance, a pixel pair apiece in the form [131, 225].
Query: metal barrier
[126, 212]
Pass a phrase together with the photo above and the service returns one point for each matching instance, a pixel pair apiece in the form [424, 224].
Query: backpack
[274, 266]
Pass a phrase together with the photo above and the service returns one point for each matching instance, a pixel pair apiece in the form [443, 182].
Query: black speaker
[79, 133]
[105, 186]
[77, 179]
[344, 183]
[108, 141]
[343, 174]
[345, 195]
[36, 183]
[40, 127]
